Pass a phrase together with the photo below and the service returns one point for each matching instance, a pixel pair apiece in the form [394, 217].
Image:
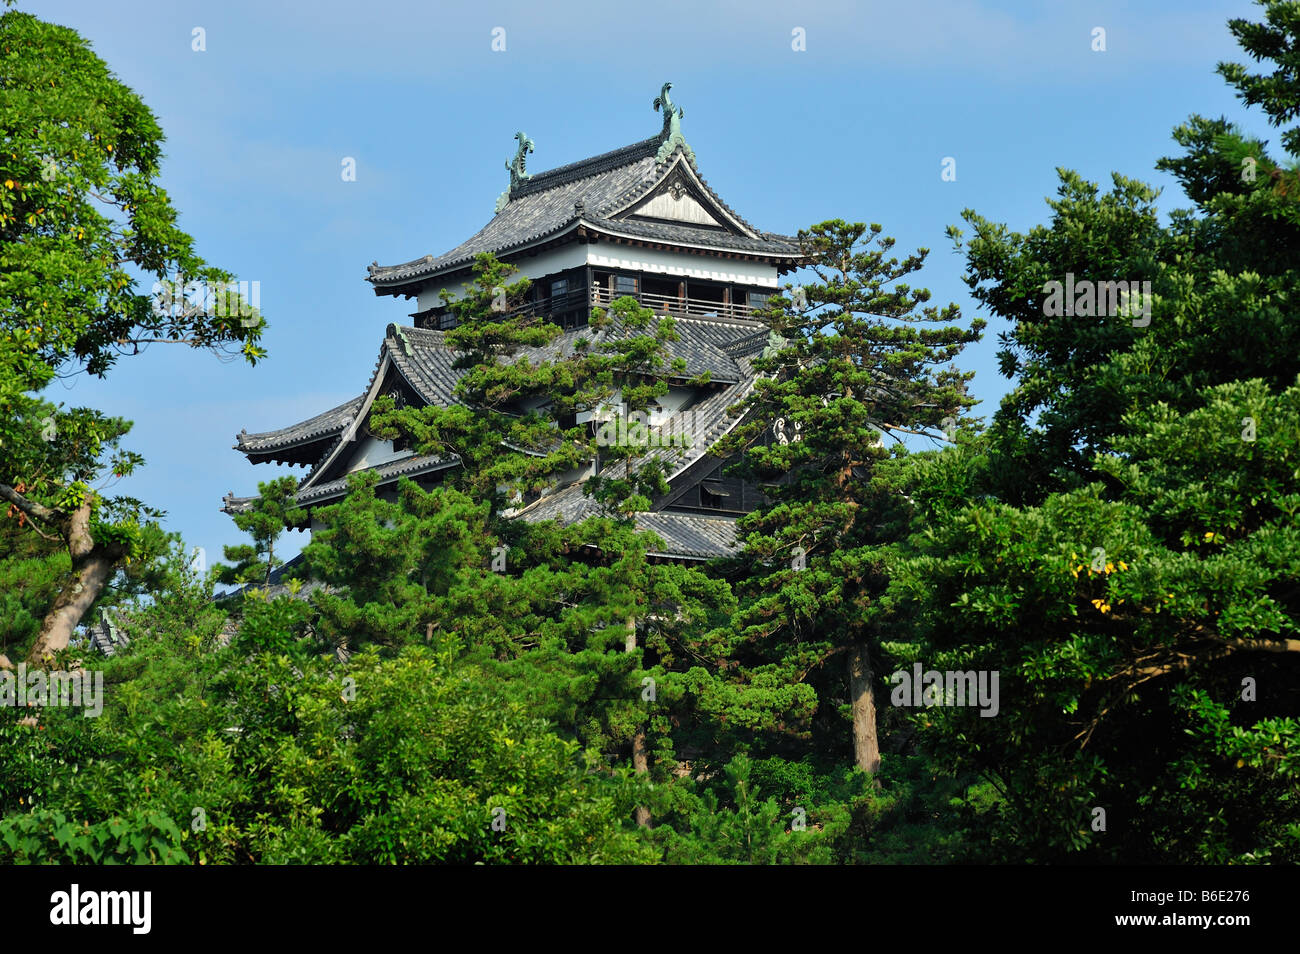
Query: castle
[639, 221]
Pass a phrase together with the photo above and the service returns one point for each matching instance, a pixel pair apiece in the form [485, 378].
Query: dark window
[712, 496]
[625, 284]
[661, 286]
[559, 287]
[702, 292]
[757, 299]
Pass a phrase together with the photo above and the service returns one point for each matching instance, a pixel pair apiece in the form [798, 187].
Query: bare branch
[30, 507]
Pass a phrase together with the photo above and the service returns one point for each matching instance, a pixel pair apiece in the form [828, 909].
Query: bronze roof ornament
[671, 137]
[518, 167]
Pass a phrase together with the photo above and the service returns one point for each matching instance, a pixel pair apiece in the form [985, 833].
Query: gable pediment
[676, 206]
[682, 198]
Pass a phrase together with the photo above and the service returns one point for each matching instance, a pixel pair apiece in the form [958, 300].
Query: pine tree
[858, 365]
[267, 517]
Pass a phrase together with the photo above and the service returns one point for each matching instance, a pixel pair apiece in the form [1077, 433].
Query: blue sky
[856, 127]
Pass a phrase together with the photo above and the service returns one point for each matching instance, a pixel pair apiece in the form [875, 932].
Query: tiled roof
[677, 233]
[422, 356]
[425, 358]
[294, 569]
[568, 505]
[414, 466]
[106, 636]
[326, 424]
[688, 535]
[590, 192]
[701, 424]
[543, 206]
[683, 534]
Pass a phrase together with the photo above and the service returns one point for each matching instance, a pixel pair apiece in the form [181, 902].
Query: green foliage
[77, 140]
[250, 754]
[859, 364]
[82, 220]
[1127, 560]
[48, 837]
[267, 517]
[396, 564]
[739, 827]
[466, 687]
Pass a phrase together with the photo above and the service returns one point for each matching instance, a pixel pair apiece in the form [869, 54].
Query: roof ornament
[403, 342]
[671, 137]
[518, 167]
[579, 208]
[776, 343]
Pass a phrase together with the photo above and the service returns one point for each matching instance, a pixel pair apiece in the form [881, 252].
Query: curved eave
[304, 454]
[413, 467]
[300, 443]
[410, 284]
[583, 230]
[791, 259]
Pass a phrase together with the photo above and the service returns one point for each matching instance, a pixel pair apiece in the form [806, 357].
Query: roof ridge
[585, 168]
[245, 440]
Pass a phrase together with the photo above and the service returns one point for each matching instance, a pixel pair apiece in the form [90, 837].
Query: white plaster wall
[624, 258]
[630, 258]
[375, 452]
[546, 263]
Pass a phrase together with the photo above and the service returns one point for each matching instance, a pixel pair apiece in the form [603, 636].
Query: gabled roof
[413, 466]
[600, 196]
[691, 536]
[333, 490]
[299, 443]
[702, 425]
[423, 359]
[426, 359]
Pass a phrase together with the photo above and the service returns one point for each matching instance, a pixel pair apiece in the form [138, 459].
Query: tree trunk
[640, 755]
[866, 747]
[641, 765]
[92, 568]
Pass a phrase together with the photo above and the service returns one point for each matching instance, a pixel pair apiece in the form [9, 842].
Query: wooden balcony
[673, 305]
[574, 307]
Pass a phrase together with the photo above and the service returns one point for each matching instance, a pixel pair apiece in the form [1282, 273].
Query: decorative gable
[676, 204]
[681, 196]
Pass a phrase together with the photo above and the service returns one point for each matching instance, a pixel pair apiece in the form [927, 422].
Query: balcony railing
[673, 305]
[579, 302]
[599, 296]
